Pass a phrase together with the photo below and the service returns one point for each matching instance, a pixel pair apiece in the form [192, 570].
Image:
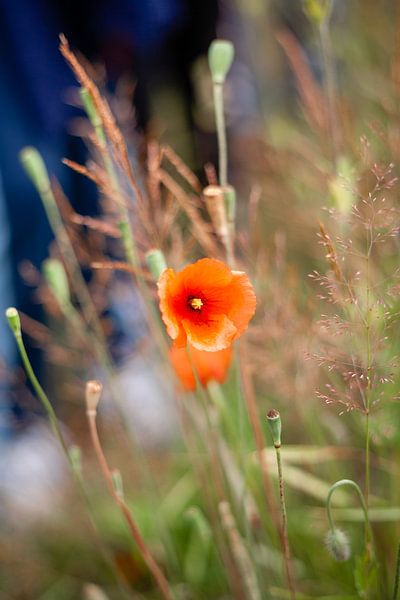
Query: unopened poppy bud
[338, 545]
[156, 262]
[56, 277]
[275, 425]
[215, 203]
[35, 168]
[93, 393]
[14, 321]
[220, 58]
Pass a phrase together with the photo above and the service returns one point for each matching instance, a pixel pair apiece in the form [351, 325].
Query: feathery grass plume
[360, 357]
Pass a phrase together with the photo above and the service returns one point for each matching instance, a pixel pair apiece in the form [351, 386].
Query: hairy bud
[338, 544]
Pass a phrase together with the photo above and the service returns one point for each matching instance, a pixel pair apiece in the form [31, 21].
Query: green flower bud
[56, 277]
[317, 10]
[156, 262]
[35, 168]
[275, 425]
[220, 58]
[338, 545]
[14, 320]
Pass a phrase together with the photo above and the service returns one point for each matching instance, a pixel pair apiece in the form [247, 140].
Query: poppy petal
[205, 273]
[172, 324]
[209, 365]
[212, 335]
[242, 301]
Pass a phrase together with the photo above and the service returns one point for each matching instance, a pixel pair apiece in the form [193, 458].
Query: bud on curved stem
[338, 545]
[351, 483]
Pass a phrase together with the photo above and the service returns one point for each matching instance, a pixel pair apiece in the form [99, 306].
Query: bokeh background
[150, 59]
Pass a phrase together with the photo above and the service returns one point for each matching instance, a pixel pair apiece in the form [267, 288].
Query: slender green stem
[57, 431]
[364, 506]
[218, 90]
[41, 394]
[285, 537]
[369, 368]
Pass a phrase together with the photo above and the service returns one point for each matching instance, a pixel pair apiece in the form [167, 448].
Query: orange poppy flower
[209, 365]
[206, 304]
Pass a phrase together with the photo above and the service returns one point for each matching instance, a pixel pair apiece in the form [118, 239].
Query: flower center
[195, 303]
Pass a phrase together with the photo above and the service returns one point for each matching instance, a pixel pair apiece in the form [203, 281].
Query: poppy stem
[274, 422]
[71, 453]
[220, 57]
[218, 90]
